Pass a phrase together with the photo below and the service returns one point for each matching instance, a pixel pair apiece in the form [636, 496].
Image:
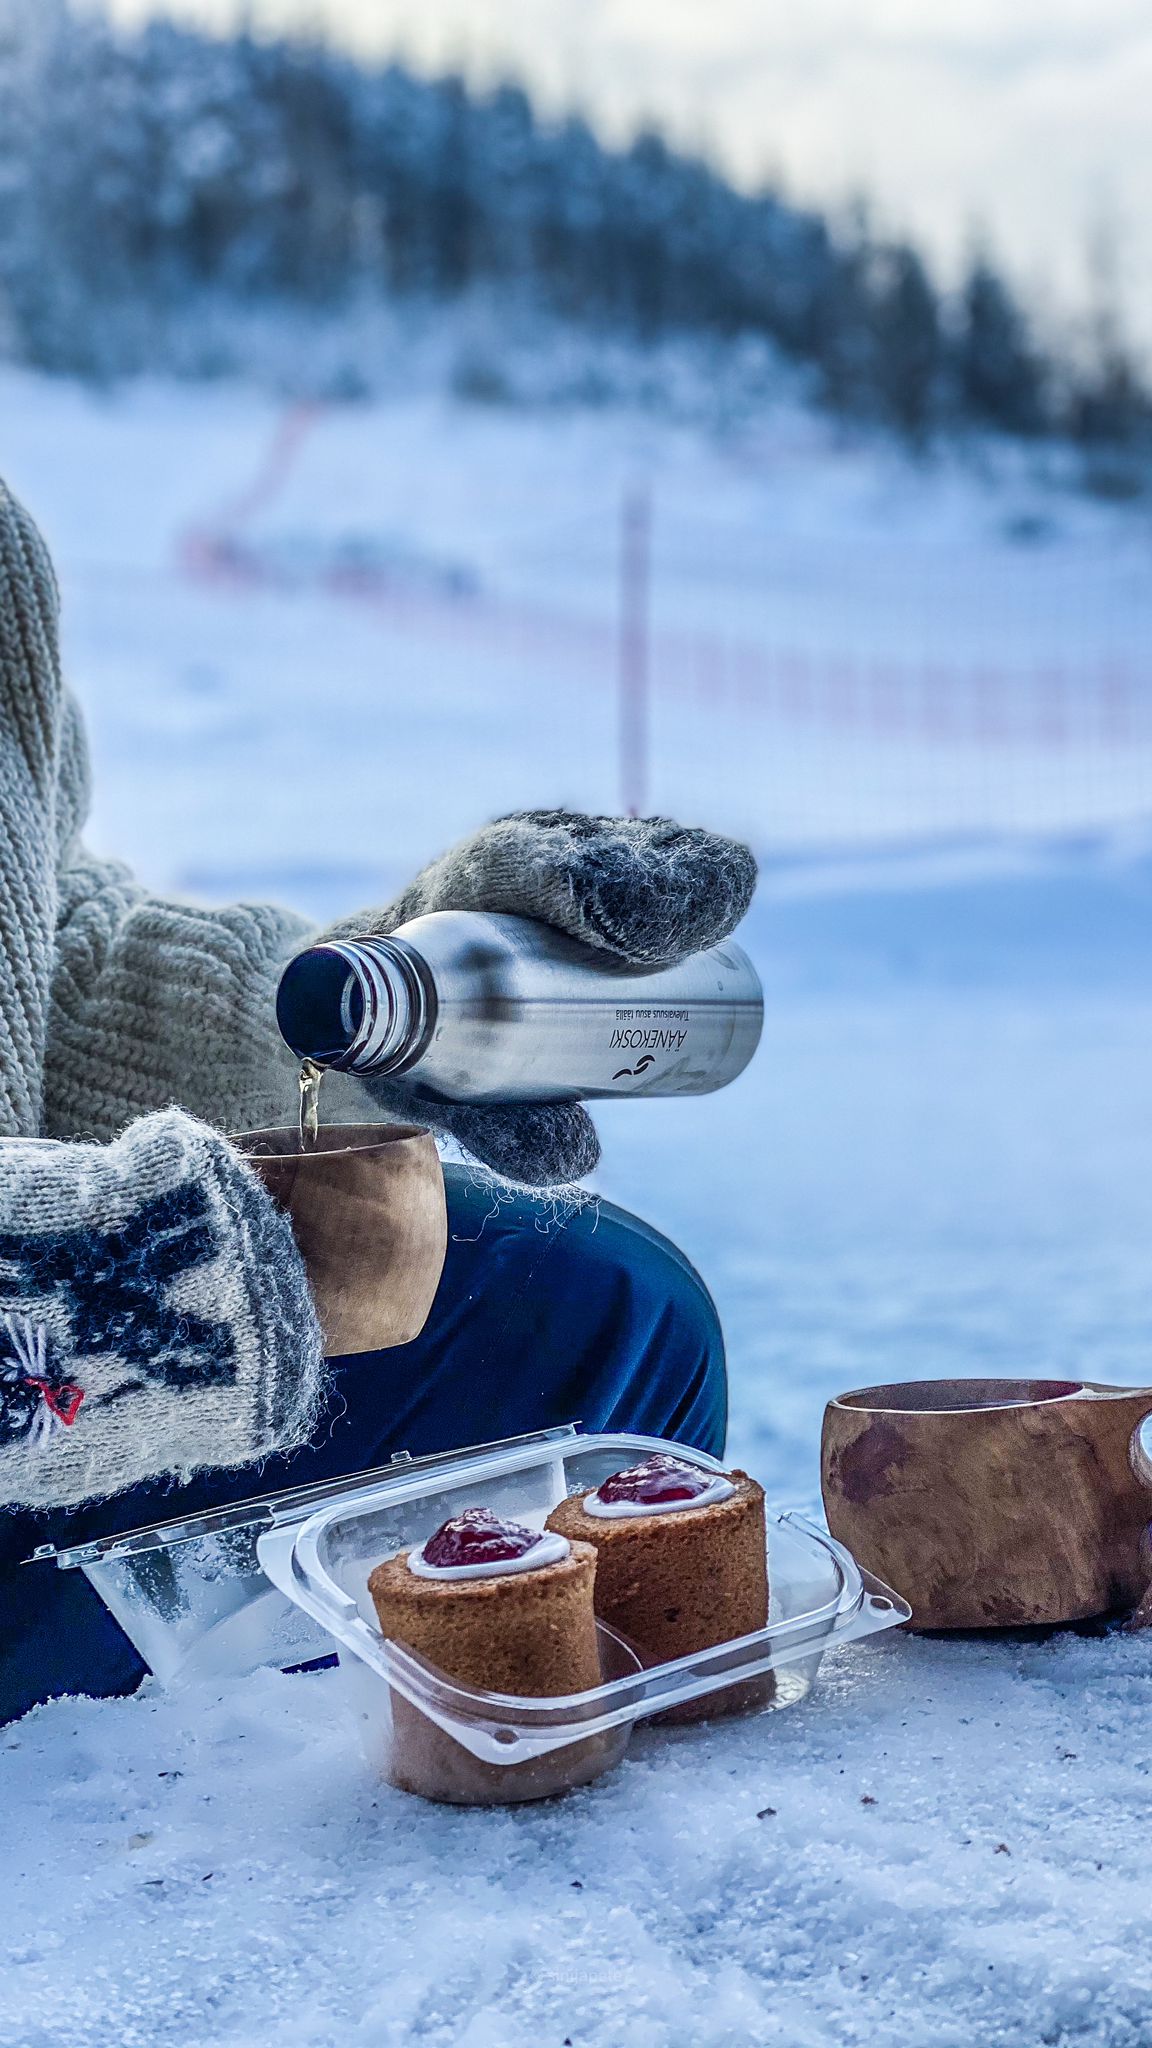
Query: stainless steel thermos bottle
[464, 1006]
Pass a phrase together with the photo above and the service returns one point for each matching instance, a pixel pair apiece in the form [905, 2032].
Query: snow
[723, 1888]
[937, 1164]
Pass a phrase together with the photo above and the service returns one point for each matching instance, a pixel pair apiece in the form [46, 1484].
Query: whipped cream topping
[719, 1488]
[549, 1548]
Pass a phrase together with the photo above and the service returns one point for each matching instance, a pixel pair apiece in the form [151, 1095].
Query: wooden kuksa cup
[367, 1209]
[994, 1503]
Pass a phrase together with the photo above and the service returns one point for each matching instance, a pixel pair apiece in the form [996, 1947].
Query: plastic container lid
[282, 1578]
[820, 1597]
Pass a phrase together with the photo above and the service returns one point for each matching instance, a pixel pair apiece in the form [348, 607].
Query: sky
[1023, 123]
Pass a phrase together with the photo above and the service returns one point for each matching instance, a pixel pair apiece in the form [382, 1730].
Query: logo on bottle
[641, 1067]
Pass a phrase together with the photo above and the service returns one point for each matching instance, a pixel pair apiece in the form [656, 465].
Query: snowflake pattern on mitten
[154, 1314]
[112, 1288]
[36, 1396]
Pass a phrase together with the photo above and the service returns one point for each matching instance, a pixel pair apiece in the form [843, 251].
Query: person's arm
[111, 1004]
[157, 1002]
[32, 732]
[154, 1310]
[117, 1003]
[154, 1314]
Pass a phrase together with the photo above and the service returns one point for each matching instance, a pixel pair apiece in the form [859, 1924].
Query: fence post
[632, 652]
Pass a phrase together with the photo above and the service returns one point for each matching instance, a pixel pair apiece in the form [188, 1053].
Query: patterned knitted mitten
[154, 1314]
[646, 890]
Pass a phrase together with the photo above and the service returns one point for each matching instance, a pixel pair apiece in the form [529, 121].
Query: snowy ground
[939, 1163]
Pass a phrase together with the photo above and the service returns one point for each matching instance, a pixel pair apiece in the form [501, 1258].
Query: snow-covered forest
[151, 177]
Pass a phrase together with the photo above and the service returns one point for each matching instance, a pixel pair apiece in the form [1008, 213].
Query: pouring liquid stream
[310, 1078]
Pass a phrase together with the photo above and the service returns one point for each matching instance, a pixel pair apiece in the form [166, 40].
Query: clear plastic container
[285, 1580]
[457, 1743]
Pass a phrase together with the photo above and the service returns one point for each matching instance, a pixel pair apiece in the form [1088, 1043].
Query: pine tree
[908, 355]
[1000, 379]
[29, 30]
[1110, 413]
[144, 173]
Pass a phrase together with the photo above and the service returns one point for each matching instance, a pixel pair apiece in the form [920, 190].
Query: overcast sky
[1025, 120]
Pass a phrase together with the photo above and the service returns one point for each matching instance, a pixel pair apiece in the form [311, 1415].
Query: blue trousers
[596, 1319]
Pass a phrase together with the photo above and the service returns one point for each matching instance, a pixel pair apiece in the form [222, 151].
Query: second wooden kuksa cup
[994, 1503]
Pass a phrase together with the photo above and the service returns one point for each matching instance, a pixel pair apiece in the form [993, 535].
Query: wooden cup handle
[1118, 1413]
[1121, 1411]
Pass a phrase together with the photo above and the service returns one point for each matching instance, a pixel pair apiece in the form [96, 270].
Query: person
[159, 1351]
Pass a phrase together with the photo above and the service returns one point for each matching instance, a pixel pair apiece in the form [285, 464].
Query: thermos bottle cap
[368, 994]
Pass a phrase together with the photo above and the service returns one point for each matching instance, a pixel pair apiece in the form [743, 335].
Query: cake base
[531, 1634]
[426, 1760]
[682, 1581]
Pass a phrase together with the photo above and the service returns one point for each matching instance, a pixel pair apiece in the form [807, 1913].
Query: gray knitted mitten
[647, 890]
[154, 1314]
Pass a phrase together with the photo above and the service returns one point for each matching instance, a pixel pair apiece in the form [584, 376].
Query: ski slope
[310, 655]
[842, 649]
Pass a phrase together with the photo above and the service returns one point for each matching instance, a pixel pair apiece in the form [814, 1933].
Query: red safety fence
[1104, 700]
[621, 651]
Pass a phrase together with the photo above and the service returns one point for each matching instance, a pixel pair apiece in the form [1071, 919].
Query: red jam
[477, 1536]
[660, 1478]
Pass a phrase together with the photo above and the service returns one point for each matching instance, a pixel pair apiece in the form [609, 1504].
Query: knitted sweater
[153, 1002]
[154, 1310]
[111, 1003]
